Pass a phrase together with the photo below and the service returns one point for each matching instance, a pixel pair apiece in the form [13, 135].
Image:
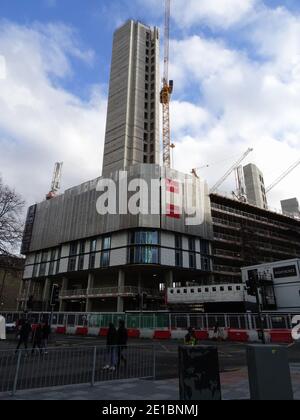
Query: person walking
[37, 335]
[111, 343]
[24, 332]
[46, 331]
[217, 332]
[122, 336]
[190, 339]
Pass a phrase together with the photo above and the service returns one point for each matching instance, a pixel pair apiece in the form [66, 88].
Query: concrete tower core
[255, 186]
[132, 126]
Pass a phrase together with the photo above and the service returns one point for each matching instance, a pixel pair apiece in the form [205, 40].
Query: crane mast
[228, 173]
[167, 89]
[283, 176]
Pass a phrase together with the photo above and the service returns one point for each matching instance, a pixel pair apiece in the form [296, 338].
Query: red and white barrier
[232, 335]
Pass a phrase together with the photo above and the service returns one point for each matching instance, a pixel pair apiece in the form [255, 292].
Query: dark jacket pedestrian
[112, 338]
[37, 336]
[46, 331]
[122, 336]
[111, 342]
[24, 332]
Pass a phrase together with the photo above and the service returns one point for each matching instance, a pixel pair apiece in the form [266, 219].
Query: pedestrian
[46, 331]
[190, 339]
[37, 335]
[111, 343]
[24, 332]
[122, 342]
[217, 331]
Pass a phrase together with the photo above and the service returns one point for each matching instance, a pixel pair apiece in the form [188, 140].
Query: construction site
[119, 263]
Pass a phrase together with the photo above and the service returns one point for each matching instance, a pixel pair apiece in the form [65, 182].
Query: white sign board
[2, 328]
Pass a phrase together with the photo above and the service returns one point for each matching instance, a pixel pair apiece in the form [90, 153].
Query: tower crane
[166, 91]
[283, 176]
[56, 180]
[195, 170]
[229, 172]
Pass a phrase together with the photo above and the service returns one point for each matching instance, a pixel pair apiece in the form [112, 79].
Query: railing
[223, 252]
[227, 269]
[77, 365]
[106, 291]
[163, 320]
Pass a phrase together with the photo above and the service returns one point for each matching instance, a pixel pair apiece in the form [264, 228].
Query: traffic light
[55, 295]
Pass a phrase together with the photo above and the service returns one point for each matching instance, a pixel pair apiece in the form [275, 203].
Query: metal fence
[24, 369]
[158, 320]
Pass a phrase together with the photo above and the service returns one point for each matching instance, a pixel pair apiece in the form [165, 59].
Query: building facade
[291, 207]
[246, 235]
[255, 186]
[108, 263]
[11, 274]
[132, 127]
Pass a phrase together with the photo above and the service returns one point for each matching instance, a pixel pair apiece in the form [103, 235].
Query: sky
[236, 71]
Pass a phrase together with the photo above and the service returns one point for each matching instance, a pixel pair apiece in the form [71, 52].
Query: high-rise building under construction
[132, 127]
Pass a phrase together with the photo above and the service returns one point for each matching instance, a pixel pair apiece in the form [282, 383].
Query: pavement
[234, 387]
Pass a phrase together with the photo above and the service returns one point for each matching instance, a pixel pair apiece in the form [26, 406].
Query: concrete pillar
[169, 279]
[21, 288]
[64, 286]
[28, 293]
[90, 286]
[46, 294]
[121, 284]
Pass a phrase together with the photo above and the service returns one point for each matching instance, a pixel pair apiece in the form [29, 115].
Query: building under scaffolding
[246, 235]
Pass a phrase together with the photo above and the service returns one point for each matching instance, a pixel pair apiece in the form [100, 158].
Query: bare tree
[11, 223]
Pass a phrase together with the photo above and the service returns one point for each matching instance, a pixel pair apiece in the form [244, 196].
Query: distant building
[11, 273]
[132, 127]
[255, 186]
[291, 207]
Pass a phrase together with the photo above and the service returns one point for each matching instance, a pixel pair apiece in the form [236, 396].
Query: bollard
[269, 373]
[199, 373]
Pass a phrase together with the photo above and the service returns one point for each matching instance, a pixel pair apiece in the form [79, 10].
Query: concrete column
[20, 302]
[169, 279]
[46, 294]
[64, 286]
[121, 283]
[28, 293]
[91, 280]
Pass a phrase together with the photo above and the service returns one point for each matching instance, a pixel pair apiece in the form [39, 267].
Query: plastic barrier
[240, 336]
[202, 335]
[162, 335]
[133, 333]
[83, 331]
[61, 330]
[103, 332]
[281, 336]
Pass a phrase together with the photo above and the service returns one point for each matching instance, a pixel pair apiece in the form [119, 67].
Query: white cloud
[250, 103]
[41, 122]
[214, 13]
[221, 13]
